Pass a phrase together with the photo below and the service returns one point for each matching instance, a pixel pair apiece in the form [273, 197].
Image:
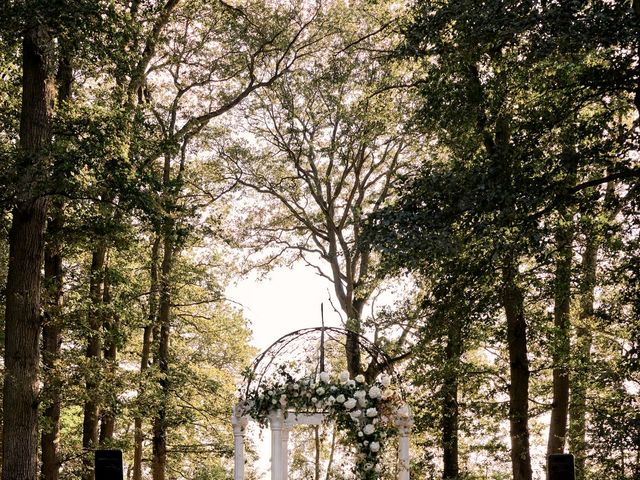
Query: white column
[276, 421]
[404, 421]
[285, 448]
[239, 426]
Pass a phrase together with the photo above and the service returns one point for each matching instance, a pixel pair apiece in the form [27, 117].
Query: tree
[329, 147]
[508, 144]
[26, 249]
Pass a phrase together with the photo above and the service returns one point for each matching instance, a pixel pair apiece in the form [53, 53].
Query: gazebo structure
[293, 382]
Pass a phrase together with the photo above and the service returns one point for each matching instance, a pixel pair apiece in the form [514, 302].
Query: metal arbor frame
[306, 349]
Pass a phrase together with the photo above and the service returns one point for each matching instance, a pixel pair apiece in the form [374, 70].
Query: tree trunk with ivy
[26, 252]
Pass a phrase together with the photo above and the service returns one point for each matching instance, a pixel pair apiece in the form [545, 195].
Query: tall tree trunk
[513, 304]
[449, 398]
[51, 342]
[26, 251]
[144, 360]
[582, 356]
[53, 284]
[93, 352]
[561, 337]
[158, 465]
[111, 330]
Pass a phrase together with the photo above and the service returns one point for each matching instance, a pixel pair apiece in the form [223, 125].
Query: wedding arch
[294, 382]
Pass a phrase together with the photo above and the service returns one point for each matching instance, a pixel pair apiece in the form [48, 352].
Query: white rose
[349, 404]
[359, 378]
[314, 400]
[351, 383]
[369, 429]
[355, 414]
[360, 434]
[385, 380]
[372, 412]
[374, 392]
[344, 377]
[387, 394]
[374, 446]
[340, 398]
[362, 402]
[319, 390]
[324, 377]
[331, 399]
[360, 394]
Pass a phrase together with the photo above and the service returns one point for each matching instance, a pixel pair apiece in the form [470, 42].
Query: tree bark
[561, 337]
[513, 304]
[111, 327]
[53, 284]
[159, 462]
[51, 342]
[582, 356]
[26, 251]
[146, 351]
[449, 399]
[93, 353]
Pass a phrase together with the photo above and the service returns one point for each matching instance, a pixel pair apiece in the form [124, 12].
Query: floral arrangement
[364, 412]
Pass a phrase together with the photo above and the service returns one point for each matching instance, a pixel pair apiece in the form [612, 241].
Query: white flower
[372, 412]
[324, 377]
[360, 434]
[403, 411]
[340, 398]
[369, 429]
[296, 386]
[331, 399]
[349, 404]
[374, 392]
[374, 446]
[368, 466]
[360, 394]
[314, 400]
[362, 402]
[333, 388]
[319, 390]
[355, 414]
[351, 383]
[344, 376]
[359, 378]
[385, 380]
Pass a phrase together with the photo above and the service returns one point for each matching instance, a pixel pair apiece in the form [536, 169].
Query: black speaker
[109, 465]
[561, 467]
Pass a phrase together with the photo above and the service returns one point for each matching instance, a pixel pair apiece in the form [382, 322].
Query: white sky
[285, 300]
